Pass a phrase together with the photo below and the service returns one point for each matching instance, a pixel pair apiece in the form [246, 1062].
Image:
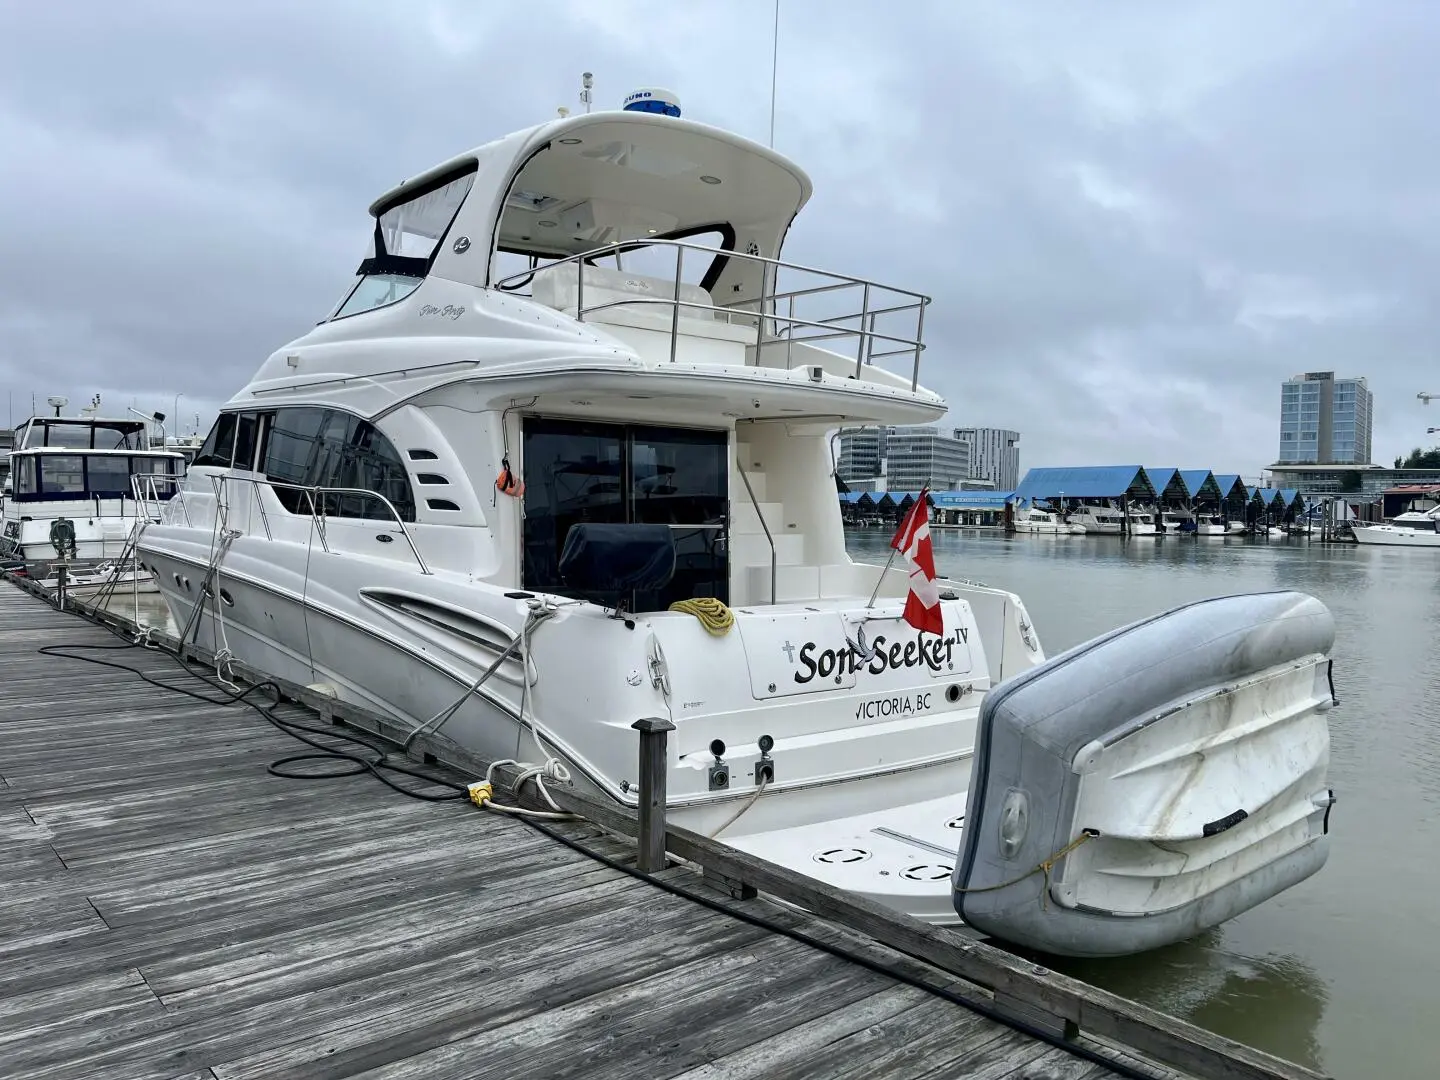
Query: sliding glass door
[577, 471]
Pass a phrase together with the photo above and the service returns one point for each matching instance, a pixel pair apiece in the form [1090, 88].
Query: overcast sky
[1135, 218]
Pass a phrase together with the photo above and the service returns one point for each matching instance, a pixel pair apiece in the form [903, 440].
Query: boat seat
[557, 287]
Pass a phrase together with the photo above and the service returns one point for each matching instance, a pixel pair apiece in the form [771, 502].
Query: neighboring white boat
[1174, 521]
[112, 577]
[1210, 525]
[471, 500]
[1096, 519]
[1414, 528]
[1035, 520]
[1142, 523]
[73, 489]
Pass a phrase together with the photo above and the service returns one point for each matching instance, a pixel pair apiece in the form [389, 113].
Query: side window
[25, 476]
[329, 449]
[219, 444]
[358, 456]
[245, 431]
[108, 475]
[290, 453]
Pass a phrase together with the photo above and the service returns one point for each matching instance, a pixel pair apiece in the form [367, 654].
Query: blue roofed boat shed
[1233, 495]
[1201, 486]
[1169, 488]
[1099, 482]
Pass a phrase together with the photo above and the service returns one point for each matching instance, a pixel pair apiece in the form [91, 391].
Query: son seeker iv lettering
[936, 653]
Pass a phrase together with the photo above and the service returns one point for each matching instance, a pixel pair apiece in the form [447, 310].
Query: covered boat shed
[1233, 496]
[1201, 487]
[1170, 489]
[1102, 483]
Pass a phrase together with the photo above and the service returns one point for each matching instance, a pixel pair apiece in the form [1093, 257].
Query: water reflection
[1338, 972]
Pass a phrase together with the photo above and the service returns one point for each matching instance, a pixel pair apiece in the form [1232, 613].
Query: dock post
[653, 762]
[62, 579]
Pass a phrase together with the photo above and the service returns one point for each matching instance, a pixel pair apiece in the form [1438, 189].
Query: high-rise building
[906, 457]
[862, 454]
[1325, 420]
[920, 456]
[994, 455]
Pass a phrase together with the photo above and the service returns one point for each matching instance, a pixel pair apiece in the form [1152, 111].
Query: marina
[175, 908]
[613, 633]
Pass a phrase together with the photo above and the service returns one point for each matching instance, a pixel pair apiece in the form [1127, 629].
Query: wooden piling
[653, 767]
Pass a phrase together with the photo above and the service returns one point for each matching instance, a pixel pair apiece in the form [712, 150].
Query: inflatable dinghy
[1154, 782]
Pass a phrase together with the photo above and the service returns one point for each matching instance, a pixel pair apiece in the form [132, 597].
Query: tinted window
[219, 444]
[24, 476]
[245, 431]
[324, 448]
[62, 474]
[580, 472]
[290, 451]
[367, 461]
[108, 475]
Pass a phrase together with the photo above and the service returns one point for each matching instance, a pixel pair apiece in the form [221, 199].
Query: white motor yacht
[559, 461]
[1101, 520]
[78, 488]
[1032, 519]
[1413, 528]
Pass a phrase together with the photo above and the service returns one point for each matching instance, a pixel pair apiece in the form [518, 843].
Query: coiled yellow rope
[714, 616]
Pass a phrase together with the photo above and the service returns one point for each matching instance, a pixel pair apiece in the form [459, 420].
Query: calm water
[1340, 972]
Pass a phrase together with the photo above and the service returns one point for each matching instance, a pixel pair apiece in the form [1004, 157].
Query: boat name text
[935, 653]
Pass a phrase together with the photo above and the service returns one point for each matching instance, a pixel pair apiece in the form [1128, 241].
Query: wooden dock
[169, 909]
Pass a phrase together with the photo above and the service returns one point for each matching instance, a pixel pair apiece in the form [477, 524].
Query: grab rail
[768, 538]
[317, 516]
[766, 307]
[146, 488]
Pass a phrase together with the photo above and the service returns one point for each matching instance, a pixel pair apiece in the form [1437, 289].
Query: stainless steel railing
[317, 514]
[874, 302]
[148, 494]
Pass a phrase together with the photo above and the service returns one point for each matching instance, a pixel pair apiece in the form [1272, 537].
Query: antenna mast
[587, 81]
[774, 69]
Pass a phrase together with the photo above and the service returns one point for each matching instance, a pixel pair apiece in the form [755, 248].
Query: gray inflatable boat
[1153, 782]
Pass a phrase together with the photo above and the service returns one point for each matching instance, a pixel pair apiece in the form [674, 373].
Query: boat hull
[1394, 536]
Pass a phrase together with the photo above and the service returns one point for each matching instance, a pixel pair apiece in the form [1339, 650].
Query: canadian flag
[912, 540]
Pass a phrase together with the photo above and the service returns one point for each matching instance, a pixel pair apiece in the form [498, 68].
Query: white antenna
[587, 81]
[1425, 398]
[774, 68]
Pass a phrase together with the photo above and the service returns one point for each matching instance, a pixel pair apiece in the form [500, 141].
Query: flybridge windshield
[406, 238]
[85, 434]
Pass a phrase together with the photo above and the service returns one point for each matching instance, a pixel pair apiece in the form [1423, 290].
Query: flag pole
[925, 493]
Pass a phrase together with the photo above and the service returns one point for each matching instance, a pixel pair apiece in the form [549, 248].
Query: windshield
[78, 434]
[406, 237]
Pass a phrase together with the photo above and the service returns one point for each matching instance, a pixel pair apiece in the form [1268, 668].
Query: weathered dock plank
[170, 909]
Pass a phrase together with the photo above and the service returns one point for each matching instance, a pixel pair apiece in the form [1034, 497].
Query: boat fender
[507, 483]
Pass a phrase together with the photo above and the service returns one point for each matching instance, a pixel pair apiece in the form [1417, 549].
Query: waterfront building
[1325, 420]
[994, 455]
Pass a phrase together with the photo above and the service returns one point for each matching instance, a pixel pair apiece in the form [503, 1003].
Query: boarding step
[745, 517]
[752, 549]
[791, 583]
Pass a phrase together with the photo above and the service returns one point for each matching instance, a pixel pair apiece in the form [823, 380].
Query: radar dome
[652, 99]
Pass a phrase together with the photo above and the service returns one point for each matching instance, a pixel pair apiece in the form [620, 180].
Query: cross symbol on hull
[789, 650]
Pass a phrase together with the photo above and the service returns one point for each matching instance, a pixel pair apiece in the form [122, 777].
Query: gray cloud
[1135, 219]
